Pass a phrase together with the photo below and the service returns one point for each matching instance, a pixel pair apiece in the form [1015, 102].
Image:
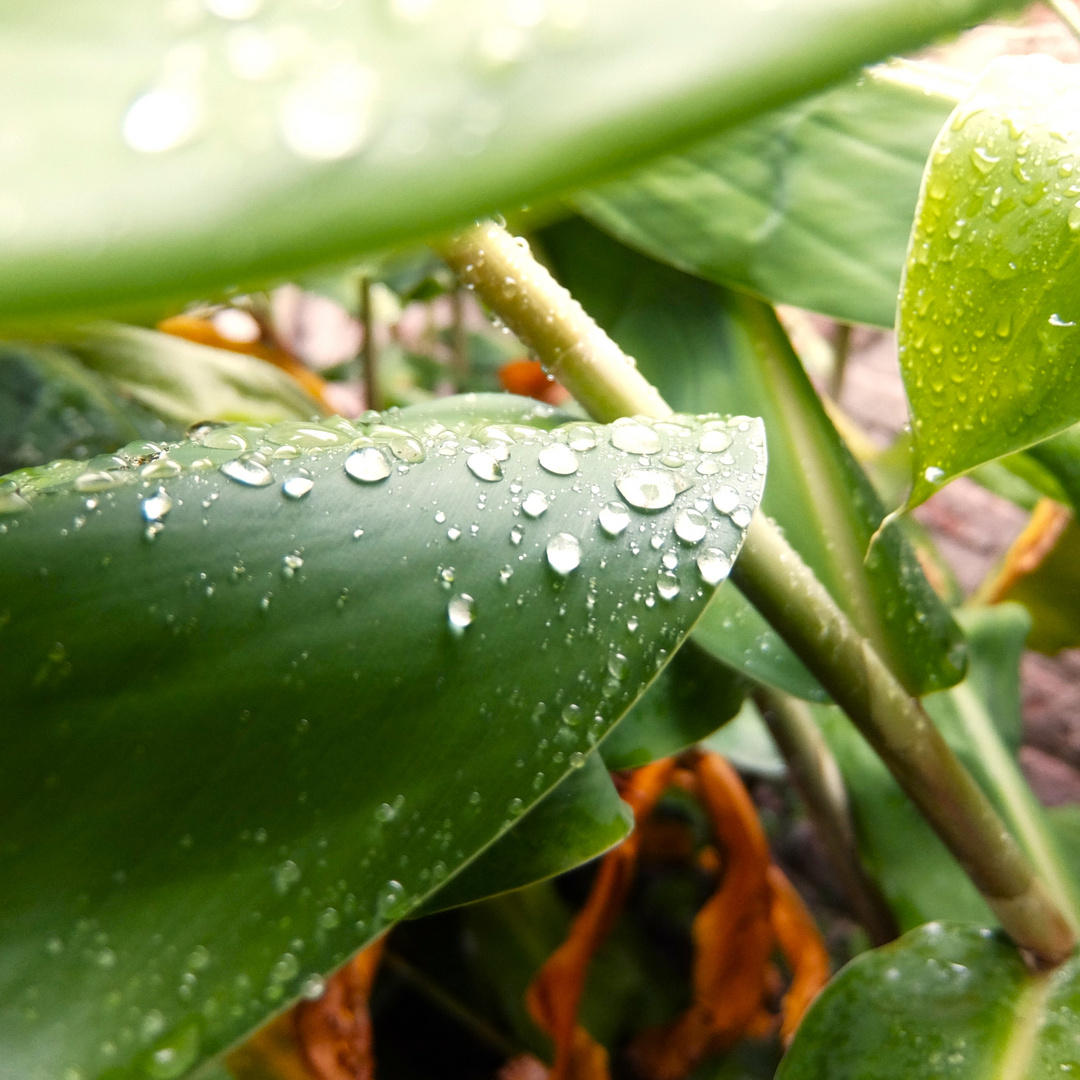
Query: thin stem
[783, 588]
[776, 580]
[818, 780]
[368, 350]
[1068, 14]
[841, 352]
[459, 339]
[552, 323]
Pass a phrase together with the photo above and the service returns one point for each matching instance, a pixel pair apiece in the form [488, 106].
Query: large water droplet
[635, 437]
[647, 489]
[368, 465]
[713, 566]
[690, 527]
[460, 612]
[296, 487]
[726, 499]
[581, 438]
[248, 472]
[563, 553]
[558, 458]
[535, 503]
[714, 441]
[614, 517]
[156, 506]
[484, 466]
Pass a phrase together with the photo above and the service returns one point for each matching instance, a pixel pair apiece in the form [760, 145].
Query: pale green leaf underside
[247, 727]
[988, 312]
[156, 151]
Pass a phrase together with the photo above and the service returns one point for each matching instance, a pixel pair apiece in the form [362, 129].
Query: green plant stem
[784, 589]
[817, 778]
[841, 350]
[776, 580]
[368, 350]
[1068, 14]
[552, 323]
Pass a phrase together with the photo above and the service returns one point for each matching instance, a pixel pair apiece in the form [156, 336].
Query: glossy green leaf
[745, 741]
[158, 152]
[267, 692]
[942, 1001]
[809, 205]
[51, 406]
[579, 820]
[693, 696]
[184, 382]
[988, 311]
[699, 343]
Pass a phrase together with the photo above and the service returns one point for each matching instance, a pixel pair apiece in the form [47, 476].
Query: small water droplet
[248, 472]
[713, 566]
[460, 612]
[535, 503]
[368, 465]
[614, 517]
[1057, 320]
[313, 988]
[291, 563]
[647, 489]
[296, 487]
[563, 553]
[933, 474]
[516, 536]
[484, 466]
[667, 585]
[391, 900]
[690, 527]
[559, 459]
[634, 437]
[581, 438]
[156, 506]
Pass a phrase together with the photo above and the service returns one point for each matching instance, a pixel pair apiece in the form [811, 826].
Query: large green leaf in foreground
[266, 692]
[943, 1001]
[809, 205]
[989, 314]
[156, 151]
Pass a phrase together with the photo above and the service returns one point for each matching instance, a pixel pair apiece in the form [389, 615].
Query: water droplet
[577, 760]
[285, 876]
[460, 612]
[563, 553]
[667, 585]
[156, 506]
[726, 499]
[581, 438]
[535, 503]
[161, 469]
[634, 437]
[713, 566]
[516, 536]
[647, 489]
[558, 458]
[484, 466]
[933, 475]
[1074, 218]
[690, 527]
[248, 472]
[516, 808]
[1057, 320]
[313, 988]
[391, 900]
[329, 115]
[291, 563]
[296, 487]
[617, 666]
[741, 516]
[714, 441]
[329, 919]
[614, 517]
[368, 465]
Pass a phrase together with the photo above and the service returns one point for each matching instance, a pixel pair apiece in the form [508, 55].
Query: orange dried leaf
[1043, 530]
[529, 379]
[804, 948]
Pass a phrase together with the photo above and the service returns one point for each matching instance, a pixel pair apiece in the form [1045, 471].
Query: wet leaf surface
[988, 312]
[944, 1000]
[236, 674]
[193, 147]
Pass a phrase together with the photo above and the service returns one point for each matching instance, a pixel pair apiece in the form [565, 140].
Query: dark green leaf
[808, 205]
[691, 698]
[988, 312]
[579, 820]
[158, 152]
[245, 731]
[51, 406]
[942, 1001]
[699, 343]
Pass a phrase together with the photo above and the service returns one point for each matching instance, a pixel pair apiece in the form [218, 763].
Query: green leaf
[51, 406]
[699, 343]
[579, 820]
[808, 205]
[247, 727]
[184, 382]
[159, 153]
[692, 697]
[988, 311]
[942, 1001]
[745, 741]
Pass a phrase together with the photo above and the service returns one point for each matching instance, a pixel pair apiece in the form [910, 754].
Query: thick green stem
[784, 589]
[817, 778]
[552, 323]
[776, 580]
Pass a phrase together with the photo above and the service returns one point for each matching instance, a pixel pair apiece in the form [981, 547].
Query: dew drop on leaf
[726, 499]
[690, 527]
[460, 612]
[484, 466]
[368, 465]
[296, 487]
[713, 566]
[535, 503]
[156, 506]
[647, 489]
[563, 553]
[248, 472]
[614, 517]
[634, 437]
[559, 459]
